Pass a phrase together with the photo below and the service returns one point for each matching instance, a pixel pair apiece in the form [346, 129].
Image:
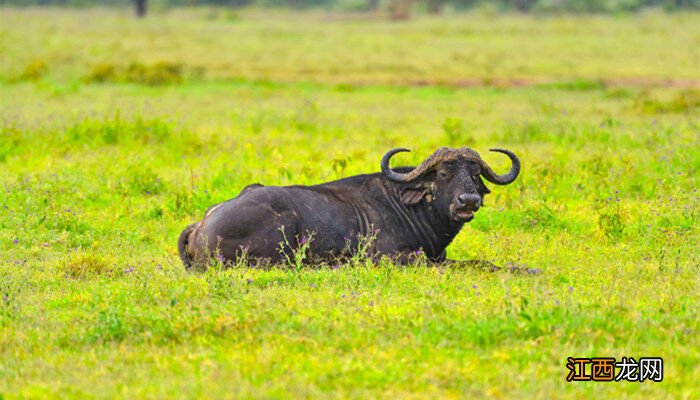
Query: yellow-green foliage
[99, 176]
[157, 74]
[33, 71]
[101, 73]
[687, 100]
[86, 265]
[160, 73]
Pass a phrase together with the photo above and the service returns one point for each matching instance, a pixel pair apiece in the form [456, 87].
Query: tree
[140, 8]
[436, 6]
[524, 6]
[400, 9]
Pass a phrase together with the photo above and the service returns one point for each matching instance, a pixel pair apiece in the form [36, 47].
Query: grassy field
[115, 134]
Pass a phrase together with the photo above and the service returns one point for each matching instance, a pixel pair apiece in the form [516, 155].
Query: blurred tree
[462, 5]
[523, 6]
[372, 5]
[436, 6]
[231, 3]
[400, 9]
[140, 8]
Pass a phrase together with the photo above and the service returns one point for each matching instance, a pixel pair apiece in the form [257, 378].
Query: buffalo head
[450, 179]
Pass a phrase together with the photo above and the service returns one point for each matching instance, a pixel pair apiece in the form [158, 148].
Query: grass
[99, 176]
[322, 47]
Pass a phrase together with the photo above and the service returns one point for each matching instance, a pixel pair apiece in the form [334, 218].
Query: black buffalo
[404, 210]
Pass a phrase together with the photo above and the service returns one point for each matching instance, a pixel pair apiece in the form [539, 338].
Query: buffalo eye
[443, 174]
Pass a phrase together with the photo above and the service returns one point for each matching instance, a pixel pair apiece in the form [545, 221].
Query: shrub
[160, 73]
[34, 71]
[102, 73]
[683, 101]
[87, 265]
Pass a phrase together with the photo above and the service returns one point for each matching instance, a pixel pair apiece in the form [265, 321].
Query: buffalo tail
[182, 246]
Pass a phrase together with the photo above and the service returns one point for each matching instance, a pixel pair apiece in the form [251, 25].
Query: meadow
[116, 133]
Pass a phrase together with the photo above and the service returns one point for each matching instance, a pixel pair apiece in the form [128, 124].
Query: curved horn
[509, 177]
[386, 169]
[440, 154]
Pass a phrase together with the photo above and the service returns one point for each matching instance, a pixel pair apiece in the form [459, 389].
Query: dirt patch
[651, 82]
[575, 83]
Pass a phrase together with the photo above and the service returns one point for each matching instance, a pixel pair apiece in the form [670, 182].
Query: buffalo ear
[482, 188]
[413, 194]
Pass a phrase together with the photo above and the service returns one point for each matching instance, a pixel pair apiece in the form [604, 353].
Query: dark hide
[267, 223]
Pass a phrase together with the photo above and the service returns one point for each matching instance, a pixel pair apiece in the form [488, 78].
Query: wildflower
[312, 285]
[335, 266]
[15, 241]
[249, 280]
[129, 270]
[571, 289]
[220, 257]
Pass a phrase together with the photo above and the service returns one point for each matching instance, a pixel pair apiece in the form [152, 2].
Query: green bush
[33, 71]
[85, 265]
[157, 74]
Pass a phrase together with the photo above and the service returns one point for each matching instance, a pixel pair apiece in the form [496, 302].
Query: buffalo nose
[469, 199]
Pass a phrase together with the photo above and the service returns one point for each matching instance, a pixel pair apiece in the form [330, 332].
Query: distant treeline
[432, 6]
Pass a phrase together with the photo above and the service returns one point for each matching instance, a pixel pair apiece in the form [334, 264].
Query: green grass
[329, 48]
[98, 179]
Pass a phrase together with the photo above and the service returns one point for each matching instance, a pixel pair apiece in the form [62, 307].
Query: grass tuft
[87, 265]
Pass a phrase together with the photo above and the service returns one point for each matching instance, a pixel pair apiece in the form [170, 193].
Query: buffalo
[405, 211]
